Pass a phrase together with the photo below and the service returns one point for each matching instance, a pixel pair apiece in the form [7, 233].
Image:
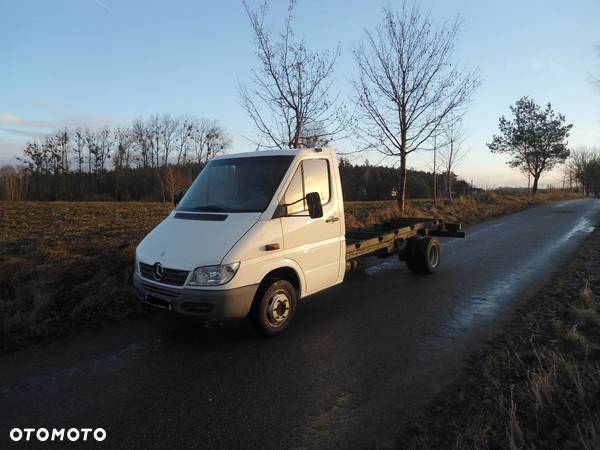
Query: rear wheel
[274, 308]
[425, 255]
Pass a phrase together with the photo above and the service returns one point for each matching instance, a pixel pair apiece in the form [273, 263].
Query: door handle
[332, 219]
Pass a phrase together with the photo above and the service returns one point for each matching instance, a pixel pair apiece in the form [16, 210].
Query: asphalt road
[360, 358]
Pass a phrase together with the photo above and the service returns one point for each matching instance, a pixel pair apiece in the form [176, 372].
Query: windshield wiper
[212, 208]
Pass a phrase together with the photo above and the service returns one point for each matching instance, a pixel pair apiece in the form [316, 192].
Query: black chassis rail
[387, 237]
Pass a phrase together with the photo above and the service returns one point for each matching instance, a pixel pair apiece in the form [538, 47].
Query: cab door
[315, 244]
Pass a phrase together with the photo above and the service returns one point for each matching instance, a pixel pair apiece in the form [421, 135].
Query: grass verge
[537, 383]
[465, 210]
[67, 266]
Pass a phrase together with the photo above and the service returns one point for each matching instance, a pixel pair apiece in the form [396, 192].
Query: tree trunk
[449, 187]
[535, 184]
[297, 133]
[402, 185]
[434, 171]
[117, 184]
[434, 189]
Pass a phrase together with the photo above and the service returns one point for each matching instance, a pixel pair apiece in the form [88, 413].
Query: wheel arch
[288, 273]
[283, 273]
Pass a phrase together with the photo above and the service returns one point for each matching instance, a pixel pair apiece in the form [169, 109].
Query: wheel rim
[434, 256]
[278, 308]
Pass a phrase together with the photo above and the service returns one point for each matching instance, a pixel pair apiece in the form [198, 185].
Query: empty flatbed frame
[384, 238]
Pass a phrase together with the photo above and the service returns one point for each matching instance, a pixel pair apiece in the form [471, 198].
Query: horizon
[98, 63]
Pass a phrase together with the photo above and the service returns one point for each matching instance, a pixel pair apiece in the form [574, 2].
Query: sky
[106, 62]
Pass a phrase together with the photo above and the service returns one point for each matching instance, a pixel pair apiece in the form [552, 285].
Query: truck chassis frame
[388, 237]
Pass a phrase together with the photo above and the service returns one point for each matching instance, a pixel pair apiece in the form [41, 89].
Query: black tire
[274, 308]
[413, 265]
[426, 256]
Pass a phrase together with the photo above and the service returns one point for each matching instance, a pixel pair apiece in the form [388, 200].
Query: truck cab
[254, 233]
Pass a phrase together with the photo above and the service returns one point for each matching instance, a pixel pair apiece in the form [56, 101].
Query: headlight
[136, 265]
[213, 275]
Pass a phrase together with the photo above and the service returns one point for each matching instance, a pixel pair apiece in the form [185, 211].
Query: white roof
[278, 152]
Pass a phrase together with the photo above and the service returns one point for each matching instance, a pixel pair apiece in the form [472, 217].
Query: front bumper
[205, 303]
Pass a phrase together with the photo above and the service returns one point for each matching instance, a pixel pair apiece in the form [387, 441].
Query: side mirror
[315, 209]
[177, 198]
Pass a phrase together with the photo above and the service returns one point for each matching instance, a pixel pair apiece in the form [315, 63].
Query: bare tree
[184, 134]
[10, 188]
[103, 148]
[142, 138]
[122, 159]
[291, 89]
[79, 142]
[62, 140]
[407, 85]
[452, 152]
[14, 182]
[35, 157]
[153, 134]
[315, 136]
[174, 180]
[90, 142]
[584, 165]
[209, 139]
[435, 163]
[168, 129]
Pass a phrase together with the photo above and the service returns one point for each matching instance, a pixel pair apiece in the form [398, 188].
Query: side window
[294, 193]
[311, 176]
[316, 178]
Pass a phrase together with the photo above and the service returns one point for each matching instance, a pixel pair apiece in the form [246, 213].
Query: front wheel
[274, 309]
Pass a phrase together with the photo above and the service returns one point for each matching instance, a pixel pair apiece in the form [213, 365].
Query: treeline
[149, 160]
[367, 182]
[583, 167]
[155, 158]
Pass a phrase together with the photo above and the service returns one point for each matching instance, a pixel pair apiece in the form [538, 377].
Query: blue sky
[106, 62]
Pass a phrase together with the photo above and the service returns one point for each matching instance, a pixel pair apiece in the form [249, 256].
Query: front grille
[173, 277]
[160, 291]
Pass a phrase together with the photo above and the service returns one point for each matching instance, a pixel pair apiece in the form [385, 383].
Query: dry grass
[537, 385]
[67, 266]
[465, 210]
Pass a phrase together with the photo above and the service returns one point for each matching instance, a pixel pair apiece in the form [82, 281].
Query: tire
[413, 265]
[426, 256]
[274, 308]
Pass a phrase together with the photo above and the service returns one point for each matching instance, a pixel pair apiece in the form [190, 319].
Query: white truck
[258, 231]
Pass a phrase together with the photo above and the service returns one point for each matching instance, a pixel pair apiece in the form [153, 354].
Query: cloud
[26, 133]
[16, 125]
[24, 128]
[12, 119]
[15, 130]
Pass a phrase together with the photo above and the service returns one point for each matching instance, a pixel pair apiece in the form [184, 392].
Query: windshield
[236, 184]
